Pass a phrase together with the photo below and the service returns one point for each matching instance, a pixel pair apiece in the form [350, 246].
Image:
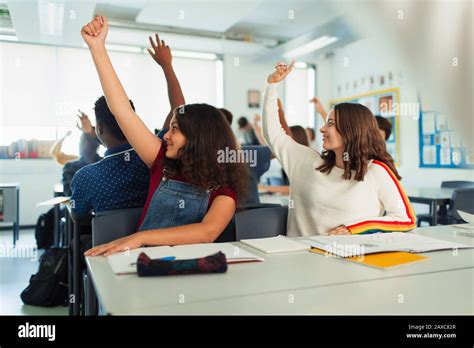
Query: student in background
[88, 145]
[118, 181]
[385, 127]
[57, 153]
[352, 187]
[245, 127]
[263, 157]
[192, 197]
[298, 134]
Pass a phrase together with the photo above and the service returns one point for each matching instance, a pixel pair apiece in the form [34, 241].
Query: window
[42, 87]
[299, 89]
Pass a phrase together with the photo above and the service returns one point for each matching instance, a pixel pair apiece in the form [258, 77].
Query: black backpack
[48, 287]
[44, 230]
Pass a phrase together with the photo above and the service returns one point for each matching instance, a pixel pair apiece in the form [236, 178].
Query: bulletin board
[386, 104]
[441, 145]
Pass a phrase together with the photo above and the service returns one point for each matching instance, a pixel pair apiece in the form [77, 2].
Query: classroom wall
[37, 178]
[363, 58]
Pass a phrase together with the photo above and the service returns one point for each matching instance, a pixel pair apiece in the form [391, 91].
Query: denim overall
[175, 203]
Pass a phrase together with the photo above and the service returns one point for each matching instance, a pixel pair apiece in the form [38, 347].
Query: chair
[457, 184]
[443, 210]
[106, 227]
[261, 223]
[78, 224]
[462, 199]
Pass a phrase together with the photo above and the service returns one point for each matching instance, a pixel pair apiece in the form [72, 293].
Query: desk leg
[434, 212]
[16, 225]
[56, 225]
[68, 233]
[76, 271]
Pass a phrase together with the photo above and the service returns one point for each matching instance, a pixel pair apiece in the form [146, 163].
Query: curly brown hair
[359, 131]
[207, 131]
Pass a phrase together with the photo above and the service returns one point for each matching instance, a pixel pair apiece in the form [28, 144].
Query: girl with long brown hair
[352, 187]
[192, 195]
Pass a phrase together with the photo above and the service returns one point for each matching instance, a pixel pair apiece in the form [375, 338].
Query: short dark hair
[242, 122]
[107, 119]
[227, 114]
[384, 125]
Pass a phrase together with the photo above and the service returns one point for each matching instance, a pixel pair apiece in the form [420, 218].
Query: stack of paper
[125, 262]
[352, 245]
[278, 244]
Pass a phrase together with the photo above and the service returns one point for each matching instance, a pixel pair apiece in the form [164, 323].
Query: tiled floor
[16, 266]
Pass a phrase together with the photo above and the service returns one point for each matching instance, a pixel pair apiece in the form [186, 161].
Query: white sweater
[320, 202]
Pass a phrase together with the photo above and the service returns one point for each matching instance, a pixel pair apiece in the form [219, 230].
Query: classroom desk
[445, 293]
[129, 294]
[432, 196]
[274, 198]
[11, 207]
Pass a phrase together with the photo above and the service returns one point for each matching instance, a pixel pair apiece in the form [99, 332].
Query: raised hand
[161, 53]
[86, 125]
[282, 71]
[317, 104]
[95, 32]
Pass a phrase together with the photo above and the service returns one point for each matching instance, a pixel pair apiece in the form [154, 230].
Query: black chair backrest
[261, 223]
[114, 224]
[462, 199]
[457, 184]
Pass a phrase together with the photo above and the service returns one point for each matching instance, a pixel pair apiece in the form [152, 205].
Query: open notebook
[125, 262]
[351, 245]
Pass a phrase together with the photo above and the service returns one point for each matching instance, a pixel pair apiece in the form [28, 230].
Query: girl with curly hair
[192, 196]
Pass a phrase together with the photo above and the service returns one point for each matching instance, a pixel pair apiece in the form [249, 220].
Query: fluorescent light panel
[311, 46]
[51, 16]
[8, 38]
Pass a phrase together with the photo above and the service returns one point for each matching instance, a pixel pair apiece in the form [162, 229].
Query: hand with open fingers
[160, 52]
[339, 230]
[86, 125]
[95, 32]
[257, 118]
[120, 245]
[281, 71]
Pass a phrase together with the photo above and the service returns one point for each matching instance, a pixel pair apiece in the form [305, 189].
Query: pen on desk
[167, 258]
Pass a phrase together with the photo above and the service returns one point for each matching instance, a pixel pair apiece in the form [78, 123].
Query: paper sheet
[54, 201]
[278, 244]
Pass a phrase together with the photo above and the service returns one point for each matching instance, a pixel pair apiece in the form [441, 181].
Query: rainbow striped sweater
[320, 202]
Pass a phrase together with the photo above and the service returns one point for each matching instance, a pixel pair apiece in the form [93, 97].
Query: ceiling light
[311, 46]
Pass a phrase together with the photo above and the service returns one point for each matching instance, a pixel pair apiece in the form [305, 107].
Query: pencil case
[146, 267]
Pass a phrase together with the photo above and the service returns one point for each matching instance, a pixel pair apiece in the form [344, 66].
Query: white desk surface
[446, 293]
[130, 294]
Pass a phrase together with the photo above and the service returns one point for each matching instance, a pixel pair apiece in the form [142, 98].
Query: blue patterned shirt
[119, 181]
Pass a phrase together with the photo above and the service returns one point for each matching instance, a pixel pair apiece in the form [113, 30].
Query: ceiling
[260, 28]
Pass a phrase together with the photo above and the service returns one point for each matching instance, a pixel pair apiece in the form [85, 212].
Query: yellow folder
[381, 260]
